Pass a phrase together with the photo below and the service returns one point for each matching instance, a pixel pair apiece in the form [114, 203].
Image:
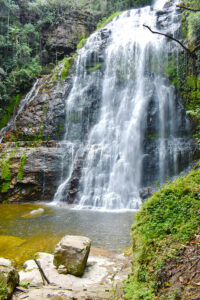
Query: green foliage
[165, 222]
[3, 291]
[183, 70]
[5, 186]
[6, 172]
[8, 110]
[68, 63]
[105, 21]
[193, 28]
[54, 77]
[111, 6]
[24, 52]
[22, 163]
[94, 68]
[81, 43]
[24, 284]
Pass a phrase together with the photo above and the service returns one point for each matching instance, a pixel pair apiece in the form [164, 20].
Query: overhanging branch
[188, 8]
[191, 53]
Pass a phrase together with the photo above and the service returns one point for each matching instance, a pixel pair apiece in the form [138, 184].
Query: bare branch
[44, 277]
[188, 8]
[191, 53]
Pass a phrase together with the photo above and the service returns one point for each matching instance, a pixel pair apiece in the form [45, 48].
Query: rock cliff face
[63, 39]
[31, 155]
[39, 174]
[60, 37]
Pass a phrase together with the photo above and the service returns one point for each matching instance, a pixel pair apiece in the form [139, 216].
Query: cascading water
[124, 119]
[29, 97]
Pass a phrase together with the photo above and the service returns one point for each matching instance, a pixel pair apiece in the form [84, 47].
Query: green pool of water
[23, 233]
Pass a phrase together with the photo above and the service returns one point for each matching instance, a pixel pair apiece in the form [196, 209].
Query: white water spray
[135, 139]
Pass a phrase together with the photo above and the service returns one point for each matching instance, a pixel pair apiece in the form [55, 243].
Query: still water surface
[22, 234]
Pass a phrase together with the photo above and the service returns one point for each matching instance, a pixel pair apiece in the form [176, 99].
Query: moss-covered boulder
[9, 278]
[71, 254]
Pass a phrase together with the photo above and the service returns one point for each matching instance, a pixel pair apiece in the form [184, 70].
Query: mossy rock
[71, 254]
[9, 278]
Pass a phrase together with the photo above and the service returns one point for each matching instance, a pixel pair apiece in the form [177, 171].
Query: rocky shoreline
[101, 276]
[102, 279]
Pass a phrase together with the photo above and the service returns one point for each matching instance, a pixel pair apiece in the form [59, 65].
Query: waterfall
[126, 123]
[29, 97]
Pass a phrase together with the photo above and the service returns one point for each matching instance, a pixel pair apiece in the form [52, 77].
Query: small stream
[22, 234]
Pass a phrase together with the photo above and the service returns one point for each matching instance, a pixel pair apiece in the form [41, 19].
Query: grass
[167, 221]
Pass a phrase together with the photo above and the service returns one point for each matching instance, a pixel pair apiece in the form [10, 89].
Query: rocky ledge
[31, 172]
[101, 275]
[102, 279]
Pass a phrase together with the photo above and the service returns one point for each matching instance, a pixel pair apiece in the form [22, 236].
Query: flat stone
[71, 254]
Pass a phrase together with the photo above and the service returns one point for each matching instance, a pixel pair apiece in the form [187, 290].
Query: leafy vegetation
[183, 70]
[94, 68]
[5, 175]
[81, 43]
[167, 221]
[67, 66]
[110, 6]
[5, 171]
[171, 217]
[3, 290]
[105, 20]
[8, 110]
[22, 163]
[25, 51]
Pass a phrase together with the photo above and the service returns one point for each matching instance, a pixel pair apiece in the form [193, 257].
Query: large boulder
[71, 254]
[9, 278]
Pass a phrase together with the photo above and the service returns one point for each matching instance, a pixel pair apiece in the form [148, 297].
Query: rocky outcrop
[102, 279]
[62, 30]
[64, 38]
[73, 185]
[71, 254]
[33, 160]
[30, 171]
[9, 278]
[41, 113]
